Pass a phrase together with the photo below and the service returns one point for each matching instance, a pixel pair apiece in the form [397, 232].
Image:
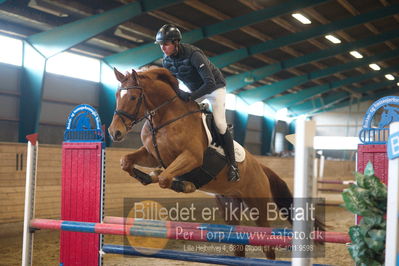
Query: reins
[149, 114]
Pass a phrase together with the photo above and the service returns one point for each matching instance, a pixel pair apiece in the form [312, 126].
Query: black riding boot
[228, 147]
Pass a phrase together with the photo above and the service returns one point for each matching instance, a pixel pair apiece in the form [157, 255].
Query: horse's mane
[158, 73]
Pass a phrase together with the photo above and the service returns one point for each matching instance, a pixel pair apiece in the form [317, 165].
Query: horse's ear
[119, 76]
[135, 75]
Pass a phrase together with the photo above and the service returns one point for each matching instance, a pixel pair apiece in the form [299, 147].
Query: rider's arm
[199, 62]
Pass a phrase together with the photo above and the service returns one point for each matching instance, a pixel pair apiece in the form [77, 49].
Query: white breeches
[217, 100]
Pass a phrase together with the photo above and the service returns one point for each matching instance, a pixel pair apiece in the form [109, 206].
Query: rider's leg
[217, 100]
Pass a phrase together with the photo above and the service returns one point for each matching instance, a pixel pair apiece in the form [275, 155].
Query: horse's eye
[132, 98]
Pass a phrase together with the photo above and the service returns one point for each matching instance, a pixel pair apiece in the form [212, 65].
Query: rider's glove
[185, 96]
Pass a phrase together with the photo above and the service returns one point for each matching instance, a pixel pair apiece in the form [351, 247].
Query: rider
[189, 64]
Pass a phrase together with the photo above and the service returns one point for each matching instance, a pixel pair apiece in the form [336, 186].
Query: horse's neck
[171, 111]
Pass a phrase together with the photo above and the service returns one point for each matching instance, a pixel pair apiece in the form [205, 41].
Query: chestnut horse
[174, 137]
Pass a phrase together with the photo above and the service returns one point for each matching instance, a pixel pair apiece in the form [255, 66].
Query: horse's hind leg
[226, 205]
[261, 205]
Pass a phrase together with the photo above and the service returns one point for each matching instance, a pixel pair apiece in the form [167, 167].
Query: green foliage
[367, 198]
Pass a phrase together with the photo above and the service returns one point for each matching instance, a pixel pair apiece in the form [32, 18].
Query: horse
[389, 115]
[174, 138]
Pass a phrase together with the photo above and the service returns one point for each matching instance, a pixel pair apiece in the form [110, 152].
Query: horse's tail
[282, 195]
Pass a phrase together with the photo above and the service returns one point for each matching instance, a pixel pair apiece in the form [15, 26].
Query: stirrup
[233, 174]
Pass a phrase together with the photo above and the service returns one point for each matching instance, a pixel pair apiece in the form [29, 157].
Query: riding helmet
[168, 32]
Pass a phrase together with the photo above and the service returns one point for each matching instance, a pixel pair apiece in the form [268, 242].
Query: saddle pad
[238, 149]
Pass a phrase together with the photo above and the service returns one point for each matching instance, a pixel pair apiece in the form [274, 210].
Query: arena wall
[119, 184]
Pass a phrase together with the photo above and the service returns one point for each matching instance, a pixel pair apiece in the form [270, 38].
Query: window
[74, 65]
[282, 115]
[241, 106]
[231, 101]
[335, 143]
[10, 51]
[256, 109]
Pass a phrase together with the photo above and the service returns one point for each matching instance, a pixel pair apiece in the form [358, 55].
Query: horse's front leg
[140, 157]
[183, 164]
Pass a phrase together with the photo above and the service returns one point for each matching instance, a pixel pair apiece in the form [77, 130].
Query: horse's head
[129, 105]
[139, 96]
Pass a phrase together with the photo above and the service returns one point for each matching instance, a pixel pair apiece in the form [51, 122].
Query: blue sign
[390, 113]
[83, 125]
[393, 146]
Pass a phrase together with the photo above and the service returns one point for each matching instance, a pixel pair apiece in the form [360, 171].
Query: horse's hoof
[239, 250]
[126, 165]
[183, 186]
[142, 177]
[269, 252]
[165, 182]
[188, 187]
[155, 175]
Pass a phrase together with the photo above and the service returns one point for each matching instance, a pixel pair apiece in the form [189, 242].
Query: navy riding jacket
[191, 66]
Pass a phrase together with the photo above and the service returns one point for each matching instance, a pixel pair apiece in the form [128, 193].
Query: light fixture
[301, 18]
[332, 39]
[375, 67]
[389, 77]
[46, 8]
[249, 79]
[397, 84]
[356, 54]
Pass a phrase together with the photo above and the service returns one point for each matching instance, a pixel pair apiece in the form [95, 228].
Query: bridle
[148, 115]
[132, 117]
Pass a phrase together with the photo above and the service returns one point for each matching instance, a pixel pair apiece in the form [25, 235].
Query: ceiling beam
[284, 24]
[345, 103]
[294, 98]
[237, 55]
[267, 91]
[232, 69]
[321, 102]
[212, 12]
[188, 26]
[237, 81]
[61, 38]
[323, 20]
[148, 53]
[349, 7]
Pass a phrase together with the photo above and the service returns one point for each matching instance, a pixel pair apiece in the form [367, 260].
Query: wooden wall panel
[119, 185]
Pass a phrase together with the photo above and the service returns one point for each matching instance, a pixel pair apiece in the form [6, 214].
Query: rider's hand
[185, 96]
